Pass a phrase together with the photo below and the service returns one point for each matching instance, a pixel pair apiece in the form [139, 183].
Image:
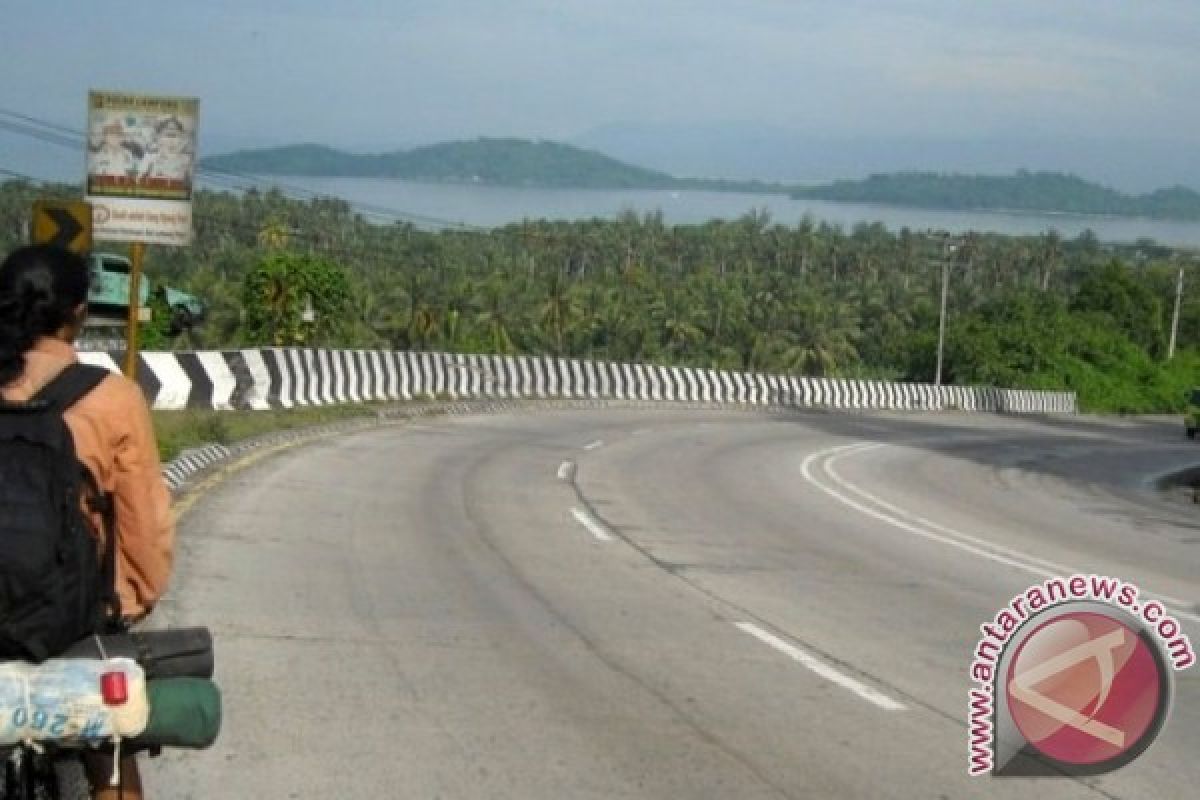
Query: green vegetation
[1025, 191]
[284, 288]
[179, 430]
[748, 294]
[503, 162]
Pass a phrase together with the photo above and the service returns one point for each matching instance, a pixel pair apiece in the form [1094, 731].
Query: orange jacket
[114, 437]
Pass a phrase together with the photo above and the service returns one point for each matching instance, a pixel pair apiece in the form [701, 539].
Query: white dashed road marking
[811, 662]
[592, 524]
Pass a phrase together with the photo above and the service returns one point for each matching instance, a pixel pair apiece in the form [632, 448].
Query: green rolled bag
[184, 712]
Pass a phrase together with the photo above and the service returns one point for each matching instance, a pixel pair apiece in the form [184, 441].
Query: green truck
[109, 293]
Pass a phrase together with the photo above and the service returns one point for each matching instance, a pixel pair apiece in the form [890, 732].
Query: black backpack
[53, 588]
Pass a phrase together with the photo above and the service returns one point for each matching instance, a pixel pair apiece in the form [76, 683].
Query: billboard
[141, 159]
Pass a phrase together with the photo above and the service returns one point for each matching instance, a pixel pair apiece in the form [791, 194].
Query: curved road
[650, 604]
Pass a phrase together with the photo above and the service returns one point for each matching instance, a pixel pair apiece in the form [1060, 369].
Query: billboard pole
[137, 252]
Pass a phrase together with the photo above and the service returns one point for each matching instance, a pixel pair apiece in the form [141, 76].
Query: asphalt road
[658, 604]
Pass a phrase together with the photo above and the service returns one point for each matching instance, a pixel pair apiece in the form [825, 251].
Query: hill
[501, 162]
[1024, 191]
[545, 164]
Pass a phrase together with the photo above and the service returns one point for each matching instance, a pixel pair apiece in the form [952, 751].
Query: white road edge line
[806, 471]
[594, 445]
[1046, 564]
[971, 544]
[1179, 607]
[564, 470]
[592, 524]
[827, 672]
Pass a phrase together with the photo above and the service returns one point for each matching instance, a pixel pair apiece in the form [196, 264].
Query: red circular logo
[1085, 688]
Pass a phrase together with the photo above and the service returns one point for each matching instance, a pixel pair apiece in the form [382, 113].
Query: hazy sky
[377, 74]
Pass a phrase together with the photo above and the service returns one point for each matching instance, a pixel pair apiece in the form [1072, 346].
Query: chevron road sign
[63, 223]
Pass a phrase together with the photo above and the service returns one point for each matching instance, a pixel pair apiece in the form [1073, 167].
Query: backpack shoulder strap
[69, 385]
[62, 392]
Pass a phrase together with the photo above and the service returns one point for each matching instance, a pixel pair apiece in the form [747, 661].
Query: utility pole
[947, 251]
[937, 379]
[1175, 315]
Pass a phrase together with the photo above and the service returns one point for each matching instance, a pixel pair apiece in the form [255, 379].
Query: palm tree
[558, 312]
[493, 315]
[275, 234]
[1049, 252]
[822, 334]
[675, 316]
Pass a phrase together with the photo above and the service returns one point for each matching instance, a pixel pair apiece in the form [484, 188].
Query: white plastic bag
[61, 700]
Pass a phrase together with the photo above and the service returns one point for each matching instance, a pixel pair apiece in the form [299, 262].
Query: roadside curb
[182, 471]
[194, 462]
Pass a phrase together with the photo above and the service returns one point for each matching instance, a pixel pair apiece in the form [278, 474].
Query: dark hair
[40, 288]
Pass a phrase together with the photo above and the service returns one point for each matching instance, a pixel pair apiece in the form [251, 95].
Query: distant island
[484, 161]
[497, 162]
[544, 164]
[1043, 192]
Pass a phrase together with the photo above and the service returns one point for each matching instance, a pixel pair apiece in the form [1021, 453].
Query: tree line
[1024, 191]
[748, 294]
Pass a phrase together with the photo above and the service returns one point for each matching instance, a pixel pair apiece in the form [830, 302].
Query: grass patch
[179, 430]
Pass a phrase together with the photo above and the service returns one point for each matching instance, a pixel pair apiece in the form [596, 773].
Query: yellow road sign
[63, 223]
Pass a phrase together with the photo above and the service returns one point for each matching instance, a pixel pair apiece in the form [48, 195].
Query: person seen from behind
[43, 305]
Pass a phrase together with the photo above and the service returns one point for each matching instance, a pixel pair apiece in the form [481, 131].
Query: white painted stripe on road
[564, 470]
[1178, 607]
[806, 471]
[818, 666]
[592, 524]
[920, 526]
[594, 445]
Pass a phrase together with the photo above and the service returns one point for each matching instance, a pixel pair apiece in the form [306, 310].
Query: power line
[316, 241]
[73, 139]
[70, 138]
[41, 135]
[39, 122]
[63, 136]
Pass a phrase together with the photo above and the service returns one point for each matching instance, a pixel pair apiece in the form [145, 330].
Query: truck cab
[110, 284]
[109, 293]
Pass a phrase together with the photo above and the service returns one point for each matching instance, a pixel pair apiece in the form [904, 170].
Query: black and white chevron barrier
[189, 462]
[290, 377]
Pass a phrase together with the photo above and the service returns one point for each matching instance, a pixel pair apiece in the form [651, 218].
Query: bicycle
[47, 768]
